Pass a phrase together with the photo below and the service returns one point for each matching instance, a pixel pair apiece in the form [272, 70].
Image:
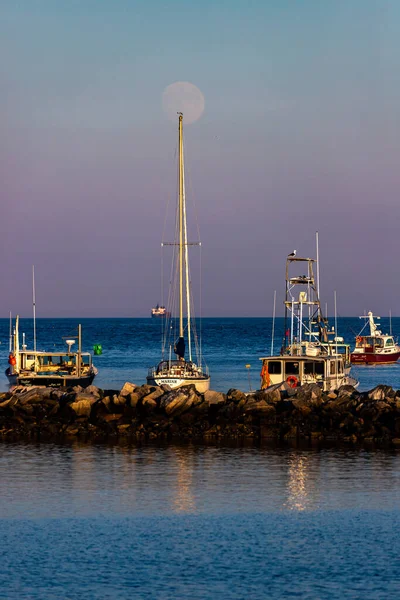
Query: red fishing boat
[375, 348]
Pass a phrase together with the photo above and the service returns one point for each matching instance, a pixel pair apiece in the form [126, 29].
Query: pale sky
[299, 133]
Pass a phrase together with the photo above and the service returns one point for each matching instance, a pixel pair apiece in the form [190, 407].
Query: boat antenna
[10, 344]
[390, 321]
[317, 244]
[34, 307]
[336, 331]
[336, 335]
[273, 325]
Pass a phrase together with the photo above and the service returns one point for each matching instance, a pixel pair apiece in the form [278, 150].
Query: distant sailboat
[179, 372]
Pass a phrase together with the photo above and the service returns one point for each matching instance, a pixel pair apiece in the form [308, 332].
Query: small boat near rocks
[51, 369]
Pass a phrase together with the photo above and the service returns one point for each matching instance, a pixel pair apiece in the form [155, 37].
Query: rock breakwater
[142, 413]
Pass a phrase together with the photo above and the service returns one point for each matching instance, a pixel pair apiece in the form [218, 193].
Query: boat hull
[49, 381]
[371, 358]
[202, 384]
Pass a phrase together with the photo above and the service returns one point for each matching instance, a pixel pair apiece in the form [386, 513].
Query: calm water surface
[198, 522]
[195, 522]
[131, 346]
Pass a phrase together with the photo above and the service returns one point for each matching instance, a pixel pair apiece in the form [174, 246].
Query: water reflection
[183, 501]
[298, 486]
[49, 480]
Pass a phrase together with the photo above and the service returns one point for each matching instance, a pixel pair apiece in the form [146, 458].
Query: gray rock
[156, 393]
[212, 397]
[259, 408]
[94, 390]
[179, 401]
[82, 405]
[309, 393]
[347, 390]
[380, 392]
[34, 394]
[236, 396]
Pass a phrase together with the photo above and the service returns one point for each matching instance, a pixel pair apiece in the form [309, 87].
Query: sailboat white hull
[202, 384]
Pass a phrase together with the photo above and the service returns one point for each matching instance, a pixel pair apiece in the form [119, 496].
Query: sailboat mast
[11, 335]
[34, 307]
[180, 226]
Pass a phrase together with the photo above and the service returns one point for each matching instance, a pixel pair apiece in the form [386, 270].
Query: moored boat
[181, 371]
[307, 354]
[375, 348]
[51, 369]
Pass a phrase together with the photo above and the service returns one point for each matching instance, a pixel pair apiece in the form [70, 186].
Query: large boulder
[236, 396]
[380, 392]
[179, 401]
[270, 394]
[259, 408]
[34, 394]
[93, 390]
[127, 388]
[82, 404]
[347, 390]
[150, 402]
[308, 394]
[212, 397]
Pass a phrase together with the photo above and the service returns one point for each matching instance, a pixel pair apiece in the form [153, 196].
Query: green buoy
[97, 349]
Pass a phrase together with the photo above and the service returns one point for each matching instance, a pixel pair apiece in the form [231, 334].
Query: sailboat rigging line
[186, 261]
[165, 324]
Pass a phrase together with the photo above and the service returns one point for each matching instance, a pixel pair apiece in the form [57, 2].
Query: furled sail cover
[180, 348]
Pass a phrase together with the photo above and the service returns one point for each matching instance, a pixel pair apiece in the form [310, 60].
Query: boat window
[379, 343]
[292, 368]
[313, 368]
[86, 360]
[333, 367]
[275, 367]
[369, 341]
[389, 342]
[319, 368]
[308, 368]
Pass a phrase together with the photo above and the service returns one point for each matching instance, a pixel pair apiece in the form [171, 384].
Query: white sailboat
[179, 372]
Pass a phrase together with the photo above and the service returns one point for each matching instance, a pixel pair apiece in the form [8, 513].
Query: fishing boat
[182, 370]
[309, 353]
[159, 312]
[375, 348]
[64, 368]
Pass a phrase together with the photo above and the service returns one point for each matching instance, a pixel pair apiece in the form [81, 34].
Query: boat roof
[301, 357]
[61, 353]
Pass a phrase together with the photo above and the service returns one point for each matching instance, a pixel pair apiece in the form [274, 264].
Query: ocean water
[131, 346]
[168, 522]
[194, 522]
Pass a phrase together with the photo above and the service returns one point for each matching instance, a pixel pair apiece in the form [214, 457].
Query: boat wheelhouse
[308, 355]
[375, 348]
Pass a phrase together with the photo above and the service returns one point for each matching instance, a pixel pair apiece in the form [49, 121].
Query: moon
[183, 97]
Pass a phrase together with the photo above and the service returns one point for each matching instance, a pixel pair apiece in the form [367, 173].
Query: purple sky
[300, 133]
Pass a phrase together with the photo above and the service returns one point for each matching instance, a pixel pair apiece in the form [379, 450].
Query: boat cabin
[53, 363]
[302, 369]
[372, 344]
